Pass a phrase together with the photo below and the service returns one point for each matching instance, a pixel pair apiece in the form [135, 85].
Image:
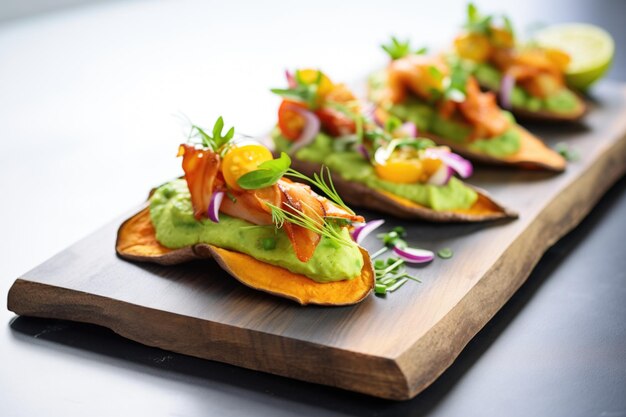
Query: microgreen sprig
[270, 172]
[324, 182]
[216, 140]
[322, 226]
[397, 49]
[390, 275]
[304, 92]
[483, 24]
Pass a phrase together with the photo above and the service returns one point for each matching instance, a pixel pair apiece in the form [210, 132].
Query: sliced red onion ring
[291, 81]
[409, 129]
[360, 232]
[459, 164]
[310, 131]
[363, 151]
[441, 176]
[412, 255]
[506, 88]
[214, 206]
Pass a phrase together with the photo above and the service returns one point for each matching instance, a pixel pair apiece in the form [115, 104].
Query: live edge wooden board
[390, 347]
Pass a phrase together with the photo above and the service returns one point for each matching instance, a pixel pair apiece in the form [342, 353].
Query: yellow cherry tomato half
[242, 159]
[309, 76]
[400, 171]
[473, 46]
[502, 38]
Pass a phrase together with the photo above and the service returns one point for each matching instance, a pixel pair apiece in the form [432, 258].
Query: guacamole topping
[172, 216]
[563, 101]
[428, 120]
[352, 167]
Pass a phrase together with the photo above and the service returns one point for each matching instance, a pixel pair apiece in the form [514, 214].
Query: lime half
[591, 50]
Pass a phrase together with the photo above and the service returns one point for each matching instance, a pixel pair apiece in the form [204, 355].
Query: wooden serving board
[389, 347]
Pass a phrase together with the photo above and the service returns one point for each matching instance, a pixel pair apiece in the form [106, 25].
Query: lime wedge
[591, 50]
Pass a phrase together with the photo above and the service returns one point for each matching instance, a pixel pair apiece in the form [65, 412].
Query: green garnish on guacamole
[352, 167]
[175, 226]
[428, 120]
[563, 101]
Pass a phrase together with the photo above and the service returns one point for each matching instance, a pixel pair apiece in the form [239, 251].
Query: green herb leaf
[303, 92]
[434, 72]
[268, 173]
[217, 141]
[445, 253]
[397, 49]
[392, 124]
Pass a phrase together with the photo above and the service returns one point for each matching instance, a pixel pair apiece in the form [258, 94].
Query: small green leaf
[217, 127]
[434, 72]
[397, 49]
[281, 164]
[217, 141]
[269, 173]
[392, 123]
[445, 253]
[508, 26]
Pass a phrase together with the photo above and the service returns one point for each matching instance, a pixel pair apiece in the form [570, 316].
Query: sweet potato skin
[485, 209]
[533, 155]
[136, 241]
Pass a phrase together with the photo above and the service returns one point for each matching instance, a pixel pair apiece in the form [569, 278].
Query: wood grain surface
[389, 347]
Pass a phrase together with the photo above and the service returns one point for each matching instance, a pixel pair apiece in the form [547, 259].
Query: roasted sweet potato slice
[533, 154]
[361, 195]
[549, 116]
[136, 241]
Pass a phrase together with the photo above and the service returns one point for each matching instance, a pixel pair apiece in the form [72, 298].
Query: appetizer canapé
[384, 168]
[236, 205]
[447, 105]
[529, 79]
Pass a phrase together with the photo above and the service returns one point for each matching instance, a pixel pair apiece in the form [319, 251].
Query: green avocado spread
[428, 120]
[352, 167]
[562, 101]
[172, 216]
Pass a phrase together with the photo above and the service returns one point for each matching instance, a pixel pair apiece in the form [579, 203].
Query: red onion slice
[360, 232]
[459, 164]
[441, 176]
[363, 151]
[409, 129]
[412, 255]
[214, 206]
[506, 88]
[310, 131]
[291, 81]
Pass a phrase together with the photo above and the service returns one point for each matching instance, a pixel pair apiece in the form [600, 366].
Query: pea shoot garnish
[390, 275]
